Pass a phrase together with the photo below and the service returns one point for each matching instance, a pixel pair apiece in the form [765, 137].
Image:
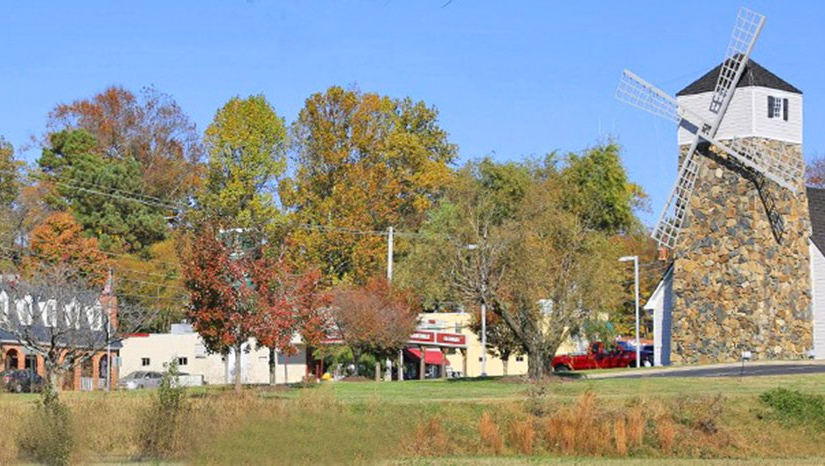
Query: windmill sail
[639, 93]
[745, 31]
[677, 207]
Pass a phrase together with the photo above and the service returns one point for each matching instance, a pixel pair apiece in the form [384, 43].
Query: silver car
[140, 379]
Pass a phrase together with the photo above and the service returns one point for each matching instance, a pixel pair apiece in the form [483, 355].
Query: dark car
[21, 380]
[646, 352]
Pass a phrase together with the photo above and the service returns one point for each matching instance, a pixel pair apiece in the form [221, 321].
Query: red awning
[434, 357]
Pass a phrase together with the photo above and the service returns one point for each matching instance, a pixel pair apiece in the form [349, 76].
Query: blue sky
[511, 79]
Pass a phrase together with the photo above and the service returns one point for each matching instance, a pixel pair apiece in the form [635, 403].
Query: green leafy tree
[531, 243]
[246, 143]
[364, 162]
[96, 191]
[10, 188]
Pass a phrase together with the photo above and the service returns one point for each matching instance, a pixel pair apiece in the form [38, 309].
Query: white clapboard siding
[661, 304]
[747, 115]
[818, 303]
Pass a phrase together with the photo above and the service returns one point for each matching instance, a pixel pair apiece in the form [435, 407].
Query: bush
[48, 437]
[794, 407]
[160, 426]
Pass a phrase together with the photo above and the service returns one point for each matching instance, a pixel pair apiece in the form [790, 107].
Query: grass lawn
[495, 389]
[438, 422]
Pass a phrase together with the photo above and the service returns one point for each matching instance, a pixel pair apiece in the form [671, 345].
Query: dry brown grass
[522, 436]
[620, 435]
[488, 430]
[666, 434]
[636, 427]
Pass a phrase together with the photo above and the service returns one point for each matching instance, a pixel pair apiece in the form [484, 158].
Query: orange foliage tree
[237, 295]
[374, 319]
[149, 127]
[364, 162]
[59, 240]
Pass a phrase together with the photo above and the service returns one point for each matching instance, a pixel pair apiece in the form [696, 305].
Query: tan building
[459, 322]
[153, 351]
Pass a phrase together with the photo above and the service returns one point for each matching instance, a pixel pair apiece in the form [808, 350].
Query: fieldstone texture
[737, 285]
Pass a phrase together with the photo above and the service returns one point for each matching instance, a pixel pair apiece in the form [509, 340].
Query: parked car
[140, 379]
[597, 357]
[646, 353]
[21, 380]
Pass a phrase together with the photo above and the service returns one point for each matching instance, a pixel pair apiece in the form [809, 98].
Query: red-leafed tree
[240, 294]
[375, 319]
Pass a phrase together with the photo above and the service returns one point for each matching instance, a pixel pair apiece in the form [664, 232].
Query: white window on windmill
[777, 107]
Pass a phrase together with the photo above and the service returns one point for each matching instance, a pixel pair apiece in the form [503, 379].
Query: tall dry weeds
[522, 436]
[620, 435]
[636, 427]
[666, 434]
[488, 430]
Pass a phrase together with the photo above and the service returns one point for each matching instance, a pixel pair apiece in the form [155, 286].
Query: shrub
[48, 437]
[794, 407]
[160, 426]
[699, 413]
[489, 432]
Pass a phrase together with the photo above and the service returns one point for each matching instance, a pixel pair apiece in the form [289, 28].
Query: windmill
[756, 162]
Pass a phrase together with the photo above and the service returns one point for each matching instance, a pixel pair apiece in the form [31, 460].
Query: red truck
[597, 357]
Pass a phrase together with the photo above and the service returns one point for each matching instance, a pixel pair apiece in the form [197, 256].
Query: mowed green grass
[494, 389]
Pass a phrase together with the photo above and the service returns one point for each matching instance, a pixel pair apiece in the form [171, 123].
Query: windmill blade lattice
[677, 207]
[745, 31]
[639, 93]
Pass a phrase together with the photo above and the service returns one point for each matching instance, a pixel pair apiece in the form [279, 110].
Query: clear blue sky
[511, 79]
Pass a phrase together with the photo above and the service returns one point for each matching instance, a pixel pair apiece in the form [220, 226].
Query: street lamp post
[635, 260]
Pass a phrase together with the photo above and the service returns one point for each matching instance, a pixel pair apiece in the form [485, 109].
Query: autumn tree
[153, 279]
[98, 191]
[237, 295]
[59, 243]
[149, 128]
[363, 163]
[246, 144]
[374, 319]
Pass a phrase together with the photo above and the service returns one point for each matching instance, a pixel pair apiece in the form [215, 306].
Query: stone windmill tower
[737, 220]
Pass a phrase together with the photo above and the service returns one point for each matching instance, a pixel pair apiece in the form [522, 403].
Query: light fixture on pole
[635, 260]
[473, 247]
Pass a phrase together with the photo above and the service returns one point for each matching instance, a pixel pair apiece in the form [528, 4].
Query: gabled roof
[816, 209]
[754, 75]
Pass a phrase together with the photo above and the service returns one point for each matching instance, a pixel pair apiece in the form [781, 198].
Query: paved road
[751, 370]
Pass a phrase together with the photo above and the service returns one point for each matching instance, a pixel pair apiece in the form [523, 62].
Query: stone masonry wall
[735, 287]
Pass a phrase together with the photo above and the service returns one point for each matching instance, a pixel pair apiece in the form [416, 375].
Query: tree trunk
[538, 364]
[505, 361]
[273, 366]
[377, 371]
[286, 368]
[238, 368]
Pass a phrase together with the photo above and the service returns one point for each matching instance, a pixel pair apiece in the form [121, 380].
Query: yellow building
[459, 322]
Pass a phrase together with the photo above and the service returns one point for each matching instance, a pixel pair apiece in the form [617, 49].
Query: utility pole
[635, 260]
[389, 254]
[389, 279]
[110, 292]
